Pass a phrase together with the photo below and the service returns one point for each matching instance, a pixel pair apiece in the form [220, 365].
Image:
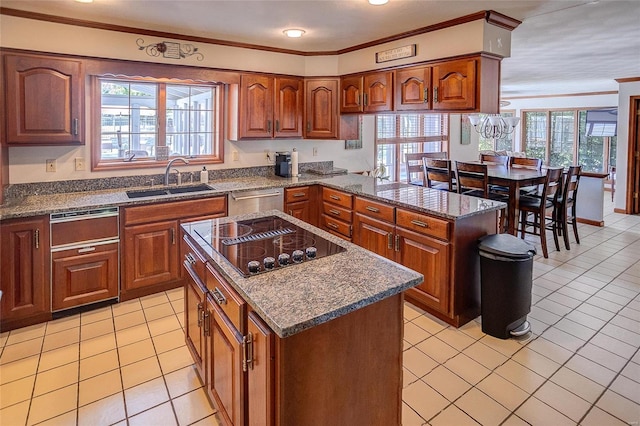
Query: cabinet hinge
[206, 321]
[635, 195]
[247, 352]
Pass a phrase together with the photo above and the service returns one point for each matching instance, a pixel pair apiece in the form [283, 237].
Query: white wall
[27, 164]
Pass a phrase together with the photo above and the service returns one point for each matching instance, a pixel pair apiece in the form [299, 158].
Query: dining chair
[413, 163]
[526, 163]
[567, 201]
[437, 174]
[473, 179]
[500, 160]
[539, 206]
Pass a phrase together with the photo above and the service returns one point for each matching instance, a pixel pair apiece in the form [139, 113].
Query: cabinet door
[44, 100]
[351, 94]
[454, 85]
[378, 92]
[430, 257]
[226, 378]
[84, 275]
[256, 106]
[24, 277]
[261, 373]
[374, 235]
[288, 107]
[194, 316]
[412, 88]
[321, 110]
[300, 210]
[151, 254]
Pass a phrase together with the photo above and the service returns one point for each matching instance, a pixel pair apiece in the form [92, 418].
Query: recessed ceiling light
[378, 2]
[84, 1]
[294, 32]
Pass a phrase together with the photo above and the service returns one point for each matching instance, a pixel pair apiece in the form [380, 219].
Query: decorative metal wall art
[170, 50]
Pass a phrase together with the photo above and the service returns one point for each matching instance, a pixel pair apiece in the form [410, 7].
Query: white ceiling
[562, 46]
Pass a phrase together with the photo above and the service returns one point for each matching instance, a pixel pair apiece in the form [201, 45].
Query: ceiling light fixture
[84, 1]
[378, 2]
[294, 32]
[493, 126]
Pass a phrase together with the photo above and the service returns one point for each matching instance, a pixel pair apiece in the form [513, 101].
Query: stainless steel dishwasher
[241, 202]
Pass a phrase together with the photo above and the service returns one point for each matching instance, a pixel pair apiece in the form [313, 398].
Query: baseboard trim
[590, 222]
[622, 211]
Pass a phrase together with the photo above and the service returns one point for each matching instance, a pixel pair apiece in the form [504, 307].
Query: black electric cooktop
[265, 244]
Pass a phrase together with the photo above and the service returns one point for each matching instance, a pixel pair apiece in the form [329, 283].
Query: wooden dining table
[514, 178]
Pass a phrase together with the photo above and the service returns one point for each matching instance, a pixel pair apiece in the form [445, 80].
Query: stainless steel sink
[172, 190]
[190, 188]
[146, 193]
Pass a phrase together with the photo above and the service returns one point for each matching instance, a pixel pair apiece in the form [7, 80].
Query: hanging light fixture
[493, 126]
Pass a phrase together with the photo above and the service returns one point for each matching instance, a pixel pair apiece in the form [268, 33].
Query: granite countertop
[439, 203]
[304, 295]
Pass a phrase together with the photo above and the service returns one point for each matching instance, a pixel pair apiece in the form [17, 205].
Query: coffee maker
[283, 164]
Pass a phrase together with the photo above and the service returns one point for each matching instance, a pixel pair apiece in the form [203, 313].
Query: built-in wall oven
[85, 266]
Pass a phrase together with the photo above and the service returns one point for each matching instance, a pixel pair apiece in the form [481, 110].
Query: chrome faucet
[166, 171]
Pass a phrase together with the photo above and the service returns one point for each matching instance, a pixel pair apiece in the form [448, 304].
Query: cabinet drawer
[227, 299]
[193, 256]
[375, 209]
[427, 225]
[332, 210]
[337, 197]
[175, 210]
[336, 226]
[292, 195]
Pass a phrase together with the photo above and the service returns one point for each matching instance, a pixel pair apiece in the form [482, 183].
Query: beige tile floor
[127, 364]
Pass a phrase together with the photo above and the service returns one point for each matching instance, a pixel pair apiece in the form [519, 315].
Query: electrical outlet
[51, 165]
[79, 164]
[315, 151]
[235, 156]
[270, 156]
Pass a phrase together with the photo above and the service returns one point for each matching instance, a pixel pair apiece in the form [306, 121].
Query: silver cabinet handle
[190, 258]
[86, 249]
[75, 126]
[299, 194]
[397, 242]
[250, 197]
[390, 241]
[200, 314]
[217, 294]
[420, 223]
[334, 197]
[332, 225]
[36, 238]
[335, 212]
[373, 209]
[435, 95]
[173, 236]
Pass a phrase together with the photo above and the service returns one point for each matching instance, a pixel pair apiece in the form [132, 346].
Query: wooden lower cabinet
[300, 202]
[254, 377]
[84, 275]
[444, 251]
[24, 274]
[151, 251]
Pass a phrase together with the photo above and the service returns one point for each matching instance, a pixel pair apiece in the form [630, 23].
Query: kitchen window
[399, 134]
[144, 122]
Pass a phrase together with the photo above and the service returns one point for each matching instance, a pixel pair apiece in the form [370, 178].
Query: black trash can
[506, 275]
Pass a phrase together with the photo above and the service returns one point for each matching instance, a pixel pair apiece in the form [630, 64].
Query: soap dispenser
[204, 175]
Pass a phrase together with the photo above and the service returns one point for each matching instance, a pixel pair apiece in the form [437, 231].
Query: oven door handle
[249, 197]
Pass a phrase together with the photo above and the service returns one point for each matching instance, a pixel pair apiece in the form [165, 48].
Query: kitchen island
[314, 342]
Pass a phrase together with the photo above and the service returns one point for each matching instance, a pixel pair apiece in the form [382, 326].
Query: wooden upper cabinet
[288, 107]
[413, 88]
[378, 92]
[321, 108]
[44, 100]
[370, 92]
[267, 107]
[351, 94]
[454, 85]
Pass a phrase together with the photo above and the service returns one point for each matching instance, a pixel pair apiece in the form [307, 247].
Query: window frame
[398, 142]
[607, 144]
[100, 164]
